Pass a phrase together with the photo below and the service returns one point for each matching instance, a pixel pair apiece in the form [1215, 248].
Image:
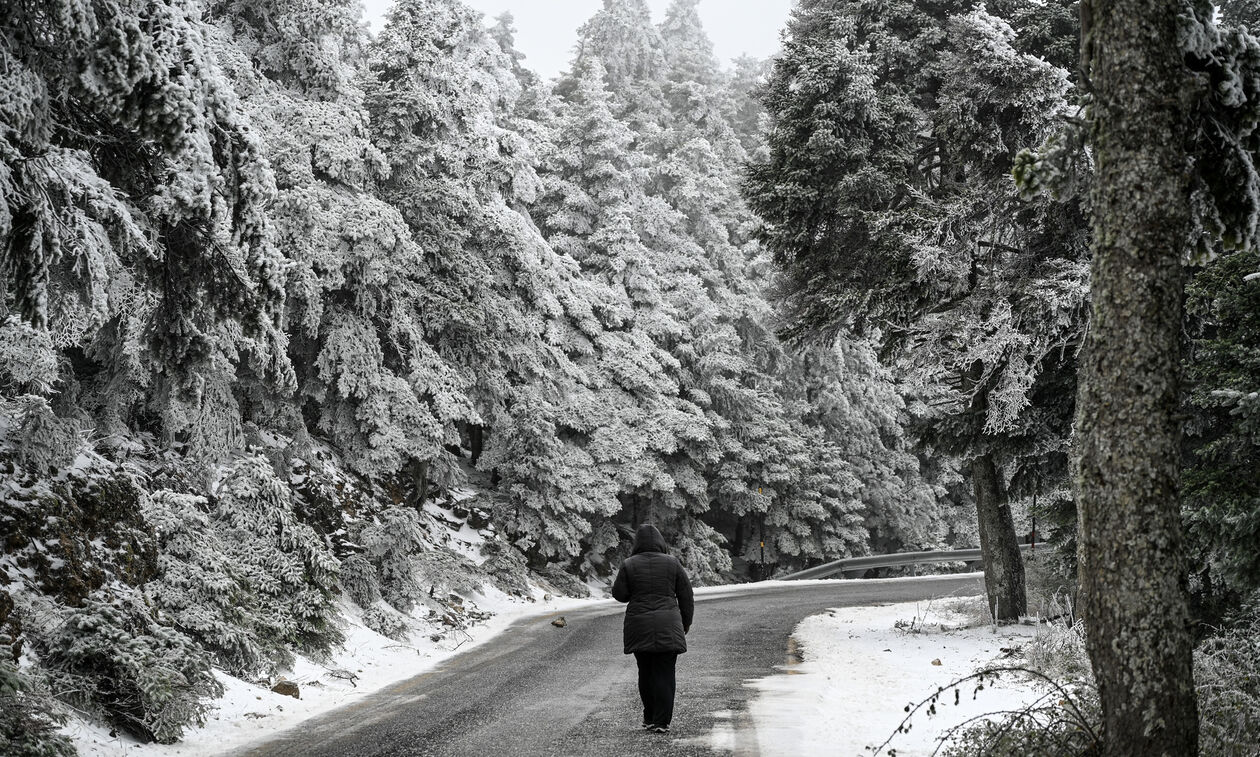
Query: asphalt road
[540, 690]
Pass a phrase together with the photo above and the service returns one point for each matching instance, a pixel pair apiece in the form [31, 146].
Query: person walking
[658, 619]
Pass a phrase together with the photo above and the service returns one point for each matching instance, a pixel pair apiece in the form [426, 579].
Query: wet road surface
[537, 690]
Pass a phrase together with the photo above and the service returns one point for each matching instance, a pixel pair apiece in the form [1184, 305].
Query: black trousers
[656, 685]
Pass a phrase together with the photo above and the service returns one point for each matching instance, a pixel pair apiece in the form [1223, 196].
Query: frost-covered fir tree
[653, 436]
[134, 227]
[628, 45]
[502, 306]
[924, 229]
[769, 471]
[745, 112]
[369, 382]
[442, 95]
[863, 411]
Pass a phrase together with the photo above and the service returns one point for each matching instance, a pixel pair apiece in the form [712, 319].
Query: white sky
[547, 29]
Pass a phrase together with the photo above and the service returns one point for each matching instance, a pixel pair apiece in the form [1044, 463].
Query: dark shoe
[658, 728]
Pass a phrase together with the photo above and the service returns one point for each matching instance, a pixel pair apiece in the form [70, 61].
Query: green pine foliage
[1221, 490]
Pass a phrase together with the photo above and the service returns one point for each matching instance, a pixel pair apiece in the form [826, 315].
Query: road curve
[539, 690]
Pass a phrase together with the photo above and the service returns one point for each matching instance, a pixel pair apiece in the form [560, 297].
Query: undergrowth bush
[277, 558]
[392, 544]
[446, 572]
[111, 658]
[1058, 651]
[1066, 718]
[245, 578]
[506, 568]
[1227, 679]
[195, 588]
[28, 721]
[387, 621]
[359, 582]
[1050, 584]
[1063, 720]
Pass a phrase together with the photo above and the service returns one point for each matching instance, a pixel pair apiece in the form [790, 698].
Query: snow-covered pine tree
[134, 228]
[1010, 275]
[649, 431]
[742, 101]
[863, 412]
[628, 45]
[505, 308]
[442, 96]
[368, 381]
[769, 471]
[688, 61]
[892, 202]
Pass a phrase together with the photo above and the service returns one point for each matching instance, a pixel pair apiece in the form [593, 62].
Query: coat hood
[649, 539]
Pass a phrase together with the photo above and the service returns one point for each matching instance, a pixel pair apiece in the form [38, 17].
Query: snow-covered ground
[860, 670]
[366, 663]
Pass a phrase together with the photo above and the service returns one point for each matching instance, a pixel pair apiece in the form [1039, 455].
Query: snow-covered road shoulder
[861, 666]
[366, 663]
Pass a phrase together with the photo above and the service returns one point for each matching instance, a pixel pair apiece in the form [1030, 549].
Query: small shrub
[359, 582]
[387, 621]
[277, 558]
[506, 567]
[196, 588]
[392, 543]
[28, 723]
[1049, 584]
[1062, 720]
[1050, 730]
[44, 442]
[565, 582]
[246, 578]
[1227, 679]
[974, 610]
[445, 572]
[1058, 651]
[110, 657]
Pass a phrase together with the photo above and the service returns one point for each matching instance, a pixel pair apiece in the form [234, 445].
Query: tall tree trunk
[999, 546]
[1132, 572]
[476, 442]
[419, 470]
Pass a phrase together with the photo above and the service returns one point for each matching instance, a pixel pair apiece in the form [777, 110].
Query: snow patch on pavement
[860, 670]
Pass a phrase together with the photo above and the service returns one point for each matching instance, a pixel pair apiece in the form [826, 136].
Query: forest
[275, 286]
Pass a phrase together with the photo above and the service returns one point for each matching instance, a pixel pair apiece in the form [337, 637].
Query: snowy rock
[287, 688]
[478, 518]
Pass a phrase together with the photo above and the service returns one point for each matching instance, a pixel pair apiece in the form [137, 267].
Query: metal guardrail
[894, 560]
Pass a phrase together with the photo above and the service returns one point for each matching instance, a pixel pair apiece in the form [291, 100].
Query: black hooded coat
[659, 593]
